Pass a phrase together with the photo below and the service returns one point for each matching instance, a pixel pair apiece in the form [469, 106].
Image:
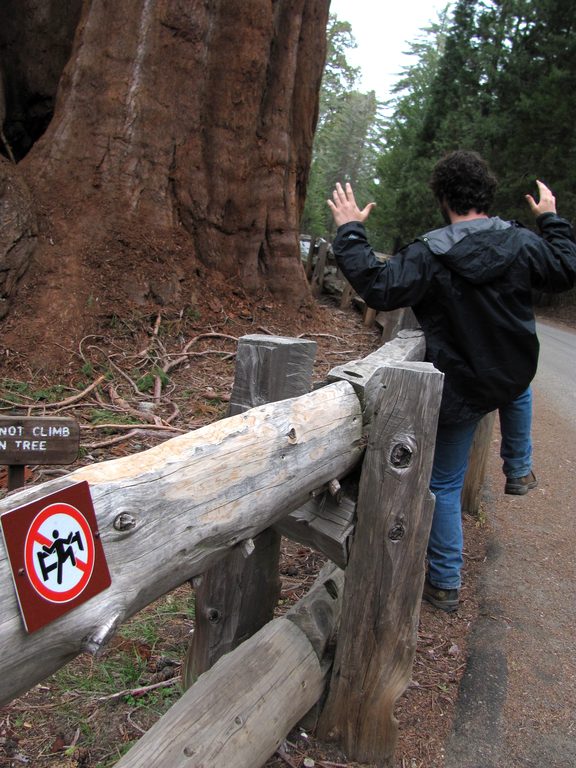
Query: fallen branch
[134, 724]
[210, 394]
[157, 389]
[68, 401]
[12, 405]
[142, 427]
[283, 755]
[127, 408]
[184, 357]
[173, 415]
[157, 324]
[135, 692]
[125, 375]
[155, 330]
[322, 335]
[71, 407]
[134, 433]
[211, 335]
[74, 740]
[20, 395]
[101, 402]
[81, 342]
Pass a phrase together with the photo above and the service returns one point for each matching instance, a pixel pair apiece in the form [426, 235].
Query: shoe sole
[520, 490]
[448, 606]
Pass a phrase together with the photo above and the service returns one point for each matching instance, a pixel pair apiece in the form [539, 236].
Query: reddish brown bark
[182, 133]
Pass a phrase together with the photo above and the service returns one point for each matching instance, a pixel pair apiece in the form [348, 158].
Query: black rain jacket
[470, 286]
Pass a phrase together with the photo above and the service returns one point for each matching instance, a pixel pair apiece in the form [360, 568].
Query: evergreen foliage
[347, 141]
[496, 76]
[504, 85]
[404, 201]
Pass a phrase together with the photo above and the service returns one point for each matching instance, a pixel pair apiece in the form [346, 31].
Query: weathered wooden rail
[169, 513]
[196, 506]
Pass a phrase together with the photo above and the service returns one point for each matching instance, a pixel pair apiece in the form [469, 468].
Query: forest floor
[140, 381]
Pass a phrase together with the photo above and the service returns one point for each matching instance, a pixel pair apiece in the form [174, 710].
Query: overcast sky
[383, 31]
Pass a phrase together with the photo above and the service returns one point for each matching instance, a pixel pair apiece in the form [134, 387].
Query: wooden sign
[56, 555]
[38, 440]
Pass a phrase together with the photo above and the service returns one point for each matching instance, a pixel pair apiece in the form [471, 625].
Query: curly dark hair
[463, 180]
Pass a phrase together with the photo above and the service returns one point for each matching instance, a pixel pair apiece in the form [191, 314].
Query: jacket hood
[478, 250]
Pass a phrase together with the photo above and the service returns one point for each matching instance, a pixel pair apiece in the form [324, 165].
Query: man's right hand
[344, 208]
[547, 202]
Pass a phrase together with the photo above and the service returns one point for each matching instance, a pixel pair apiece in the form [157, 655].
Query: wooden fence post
[318, 275]
[385, 574]
[476, 472]
[346, 297]
[394, 321]
[369, 316]
[310, 259]
[236, 597]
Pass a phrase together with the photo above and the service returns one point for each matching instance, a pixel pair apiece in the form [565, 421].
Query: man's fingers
[343, 205]
[339, 193]
[350, 193]
[545, 192]
[546, 202]
[344, 193]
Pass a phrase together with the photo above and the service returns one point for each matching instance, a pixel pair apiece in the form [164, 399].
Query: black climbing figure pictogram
[63, 551]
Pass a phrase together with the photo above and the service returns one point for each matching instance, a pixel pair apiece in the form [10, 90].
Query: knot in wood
[401, 456]
[335, 490]
[331, 588]
[396, 532]
[213, 615]
[124, 522]
[291, 435]
[247, 547]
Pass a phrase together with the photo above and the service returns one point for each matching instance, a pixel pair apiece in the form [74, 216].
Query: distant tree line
[497, 76]
[349, 134]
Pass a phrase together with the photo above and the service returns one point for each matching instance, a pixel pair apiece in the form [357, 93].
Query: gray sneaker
[444, 599]
[518, 486]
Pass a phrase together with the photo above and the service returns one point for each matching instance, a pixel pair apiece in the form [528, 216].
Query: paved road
[517, 703]
[556, 377]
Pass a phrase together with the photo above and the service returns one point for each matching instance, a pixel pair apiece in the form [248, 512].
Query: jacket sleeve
[400, 281]
[555, 272]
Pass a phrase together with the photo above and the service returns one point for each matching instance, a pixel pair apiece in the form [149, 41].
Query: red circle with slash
[70, 567]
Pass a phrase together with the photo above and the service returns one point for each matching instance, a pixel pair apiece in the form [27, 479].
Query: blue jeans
[453, 443]
[516, 429]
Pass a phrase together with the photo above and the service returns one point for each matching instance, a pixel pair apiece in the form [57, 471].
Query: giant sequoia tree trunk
[182, 135]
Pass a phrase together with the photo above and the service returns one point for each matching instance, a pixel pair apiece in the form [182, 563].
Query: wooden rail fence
[344, 468]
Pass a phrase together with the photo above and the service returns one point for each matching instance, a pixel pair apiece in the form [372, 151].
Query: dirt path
[517, 705]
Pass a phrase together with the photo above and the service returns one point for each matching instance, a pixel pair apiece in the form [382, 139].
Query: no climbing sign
[56, 554]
